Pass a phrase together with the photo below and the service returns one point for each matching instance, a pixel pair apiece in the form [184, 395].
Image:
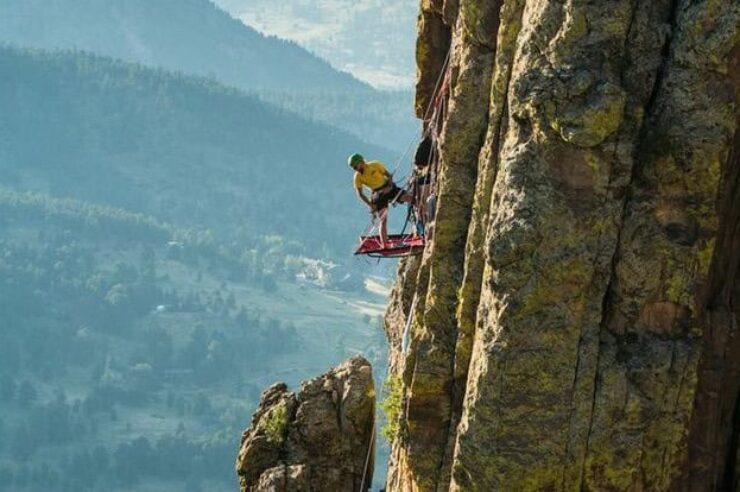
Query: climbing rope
[426, 118]
[436, 102]
[406, 338]
[370, 447]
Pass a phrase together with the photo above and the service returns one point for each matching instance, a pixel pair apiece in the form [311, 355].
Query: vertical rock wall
[576, 314]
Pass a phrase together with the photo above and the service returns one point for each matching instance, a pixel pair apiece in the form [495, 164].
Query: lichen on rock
[321, 438]
[576, 314]
[588, 119]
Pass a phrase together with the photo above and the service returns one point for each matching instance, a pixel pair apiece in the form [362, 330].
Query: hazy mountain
[372, 39]
[196, 37]
[186, 150]
[192, 36]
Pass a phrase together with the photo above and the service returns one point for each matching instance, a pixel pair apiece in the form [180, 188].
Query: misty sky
[372, 39]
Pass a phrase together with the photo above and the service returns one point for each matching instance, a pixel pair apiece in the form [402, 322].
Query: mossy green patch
[275, 423]
[392, 405]
[563, 280]
[704, 257]
[589, 124]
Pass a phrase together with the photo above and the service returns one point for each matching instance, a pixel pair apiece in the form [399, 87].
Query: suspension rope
[410, 387]
[370, 447]
[406, 339]
[442, 75]
[432, 101]
[436, 102]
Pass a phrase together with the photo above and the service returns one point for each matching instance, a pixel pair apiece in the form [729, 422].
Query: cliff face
[318, 439]
[575, 315]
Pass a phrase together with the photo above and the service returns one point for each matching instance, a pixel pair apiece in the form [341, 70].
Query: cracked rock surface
[575, 324]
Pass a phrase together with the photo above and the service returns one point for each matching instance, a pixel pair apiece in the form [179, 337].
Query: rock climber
[384, 191]
[421, 179]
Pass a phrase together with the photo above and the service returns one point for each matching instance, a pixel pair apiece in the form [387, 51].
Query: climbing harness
[421, 210]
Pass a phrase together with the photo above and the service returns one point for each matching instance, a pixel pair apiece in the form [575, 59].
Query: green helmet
[355, 160]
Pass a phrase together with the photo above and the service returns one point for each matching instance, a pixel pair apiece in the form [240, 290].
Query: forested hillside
[186, 150]
[165, 247]
[197, 38]
[380, 117]
[131, 350]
